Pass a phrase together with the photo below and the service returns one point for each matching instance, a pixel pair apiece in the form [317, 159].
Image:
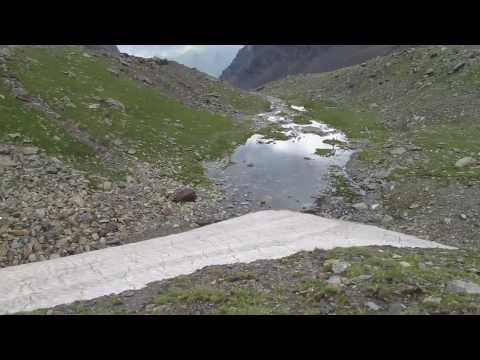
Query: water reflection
[281, 174]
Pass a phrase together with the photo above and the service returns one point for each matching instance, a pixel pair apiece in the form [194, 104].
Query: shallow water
[277, 174]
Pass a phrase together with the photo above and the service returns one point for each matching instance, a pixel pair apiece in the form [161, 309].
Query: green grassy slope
[157, 127]
[427, 97]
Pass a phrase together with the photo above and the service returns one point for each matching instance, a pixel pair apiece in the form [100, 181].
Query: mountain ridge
[256, 65]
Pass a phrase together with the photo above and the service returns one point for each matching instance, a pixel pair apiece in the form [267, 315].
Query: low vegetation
[273, 131]
[159, 128]
[373, 280]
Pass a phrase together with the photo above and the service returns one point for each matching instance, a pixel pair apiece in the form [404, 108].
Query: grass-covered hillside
[99, 150]
[120, 114]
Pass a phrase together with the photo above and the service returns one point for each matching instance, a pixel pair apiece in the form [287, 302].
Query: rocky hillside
[255, 65]
[107, 49]
[413, 117]
[96, 150]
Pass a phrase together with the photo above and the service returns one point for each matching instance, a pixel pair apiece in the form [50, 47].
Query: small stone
[114, 241]
[131, 151]
[447, 221]
[107, 186]
[430, 72]
[398, 151]
[150, 307]
[372, 306]
[19, 232]
[396, 256]
[387, 219]
[396, 309]
[463, 216]
[363, 277]
[335, 280]
[115, 104]
[404, 264]
[30, 150]
[463, 286]
[32, 258]
[432, 300]
[40, 213]
[339, 267]
[466, 161]
[77, 199]
[458, 67]
[52, 170]
[360, 206]
[14, 136]
[6, 161]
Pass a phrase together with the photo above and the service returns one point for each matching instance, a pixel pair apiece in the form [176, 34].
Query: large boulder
[185, 195]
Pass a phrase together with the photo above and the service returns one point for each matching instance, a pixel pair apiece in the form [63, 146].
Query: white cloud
[212, 59]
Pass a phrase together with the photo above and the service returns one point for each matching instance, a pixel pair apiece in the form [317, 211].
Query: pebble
[463, 286]
[363, 277]
[360, 206]
[466, 161]
[372, 306]
[338, 266]
[335, 280]
[30, 150]
[432, 300]
[107, 186]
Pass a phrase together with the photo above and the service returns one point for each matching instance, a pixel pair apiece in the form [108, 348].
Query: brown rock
[184, 195]
[19, 232]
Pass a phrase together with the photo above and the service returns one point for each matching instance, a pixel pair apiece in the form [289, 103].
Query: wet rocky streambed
[281, 172]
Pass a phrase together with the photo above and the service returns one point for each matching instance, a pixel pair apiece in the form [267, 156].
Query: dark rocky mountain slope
[255, 65]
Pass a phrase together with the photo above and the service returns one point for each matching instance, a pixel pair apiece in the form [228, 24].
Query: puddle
[281, 174]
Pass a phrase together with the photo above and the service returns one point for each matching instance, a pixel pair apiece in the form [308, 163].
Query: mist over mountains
[211, 59]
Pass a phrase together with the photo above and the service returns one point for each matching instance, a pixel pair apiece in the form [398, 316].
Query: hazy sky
[212, 59]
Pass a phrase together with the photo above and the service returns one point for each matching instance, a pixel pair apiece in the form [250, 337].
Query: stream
[266, 173]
